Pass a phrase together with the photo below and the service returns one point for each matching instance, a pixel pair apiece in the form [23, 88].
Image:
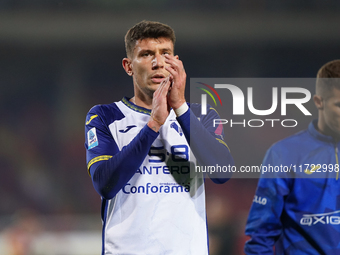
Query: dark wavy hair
[147, 29]
[328, 77]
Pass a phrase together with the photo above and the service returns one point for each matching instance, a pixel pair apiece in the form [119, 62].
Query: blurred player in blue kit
[299, 212]
[141, 152]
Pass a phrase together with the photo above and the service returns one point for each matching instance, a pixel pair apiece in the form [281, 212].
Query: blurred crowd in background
[60, 58]
[76, 5]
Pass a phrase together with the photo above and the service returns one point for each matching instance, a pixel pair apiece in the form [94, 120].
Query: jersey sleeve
[264, 225]
[206, 141]
[109, 167]
[99, 142]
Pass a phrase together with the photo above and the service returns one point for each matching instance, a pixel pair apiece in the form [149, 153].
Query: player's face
[148, 64]
[331, 114]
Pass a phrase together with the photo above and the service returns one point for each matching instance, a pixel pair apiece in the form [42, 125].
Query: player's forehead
[328, 88]
[160, 43]
[334, 94]
[330, 93]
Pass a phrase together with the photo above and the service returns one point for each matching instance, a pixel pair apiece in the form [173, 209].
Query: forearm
[111, 175]
[208, 150]
[258, 246]
[264, 228]
[264, 225]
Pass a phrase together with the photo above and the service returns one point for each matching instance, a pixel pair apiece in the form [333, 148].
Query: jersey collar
[314, 132]
[134, 107]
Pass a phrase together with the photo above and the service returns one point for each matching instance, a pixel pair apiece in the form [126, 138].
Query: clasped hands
[169, 94]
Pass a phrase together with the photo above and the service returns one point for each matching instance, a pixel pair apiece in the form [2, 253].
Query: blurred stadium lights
[79, 63]
[119, 5]
[50, 235]
[53, 29]
[54, 243]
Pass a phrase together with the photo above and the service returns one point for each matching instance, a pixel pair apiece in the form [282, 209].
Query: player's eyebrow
[162, 50]
[142, 51]
[167, 50]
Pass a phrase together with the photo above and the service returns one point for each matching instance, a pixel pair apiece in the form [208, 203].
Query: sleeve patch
[91, 118]
[92, 139]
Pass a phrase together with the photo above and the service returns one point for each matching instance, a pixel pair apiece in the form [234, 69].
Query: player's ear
[127, 65]
[318, 101]
[177, 57]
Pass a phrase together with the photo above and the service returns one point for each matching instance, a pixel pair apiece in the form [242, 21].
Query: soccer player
[299, 212]
[142, 152]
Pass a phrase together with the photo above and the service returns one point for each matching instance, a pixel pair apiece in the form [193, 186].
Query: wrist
[181, 110]
[154, 124]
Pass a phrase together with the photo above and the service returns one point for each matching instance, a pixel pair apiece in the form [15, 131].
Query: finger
[173, 59]
[163, 87]
[171, 79]
[171, 70]
[174, 64]
[176, 75]
[173, 67]
[166, 86]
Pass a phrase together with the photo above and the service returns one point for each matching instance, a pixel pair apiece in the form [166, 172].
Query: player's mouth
[157, 78]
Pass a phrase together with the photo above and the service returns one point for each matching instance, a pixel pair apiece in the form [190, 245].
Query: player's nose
[158, 61]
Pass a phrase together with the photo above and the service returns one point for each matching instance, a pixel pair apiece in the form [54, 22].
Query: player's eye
[145, 53]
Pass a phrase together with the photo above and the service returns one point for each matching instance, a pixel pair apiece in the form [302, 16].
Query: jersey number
[178, 153]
